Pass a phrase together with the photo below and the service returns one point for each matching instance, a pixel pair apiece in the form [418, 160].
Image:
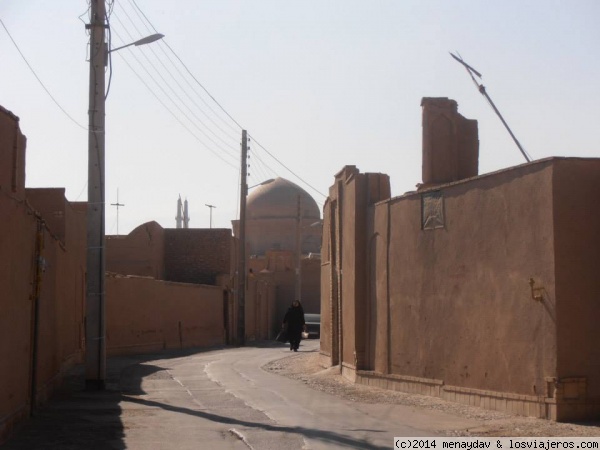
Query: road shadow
[330, 437]
[76, 418]
[79, 419]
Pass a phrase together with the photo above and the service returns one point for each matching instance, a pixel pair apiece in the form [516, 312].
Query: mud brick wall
[197, 255]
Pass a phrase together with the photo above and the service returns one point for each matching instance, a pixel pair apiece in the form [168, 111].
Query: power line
[188, 70]
[174, 104]
[39, 80]
[151, 29]
[230, 152]
[220, 106]
[286, 167]
[178, 84]
[175, 115]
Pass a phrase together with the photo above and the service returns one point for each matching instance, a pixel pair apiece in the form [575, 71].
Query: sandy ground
[304, 366]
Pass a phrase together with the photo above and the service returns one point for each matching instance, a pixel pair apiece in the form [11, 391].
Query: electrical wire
[286, 167]
[110, 66]
[161, 46]
[161, 88]
[189, 72]
[184, 91]
[164, 42]
[39, 80]
[175, 115]
[230, 151]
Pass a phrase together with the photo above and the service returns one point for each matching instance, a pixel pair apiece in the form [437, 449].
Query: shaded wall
[262, 320]
[42, 243]
[577, 293]
[145, 315]
[42, 313]
[16, 283]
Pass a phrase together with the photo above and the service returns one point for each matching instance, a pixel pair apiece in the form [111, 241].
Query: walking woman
[294, 320]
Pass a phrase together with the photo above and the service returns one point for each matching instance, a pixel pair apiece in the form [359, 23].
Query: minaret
[186, 217]
[179, 219]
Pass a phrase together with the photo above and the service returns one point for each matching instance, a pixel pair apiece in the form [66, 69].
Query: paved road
[219, 399]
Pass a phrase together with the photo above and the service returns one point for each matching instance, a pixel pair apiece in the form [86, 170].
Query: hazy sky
[320, 84]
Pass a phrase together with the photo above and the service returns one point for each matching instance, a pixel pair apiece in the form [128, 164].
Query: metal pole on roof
[481, 89]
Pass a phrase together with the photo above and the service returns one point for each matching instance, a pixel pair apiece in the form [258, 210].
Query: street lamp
[95, 327]
[143, 41]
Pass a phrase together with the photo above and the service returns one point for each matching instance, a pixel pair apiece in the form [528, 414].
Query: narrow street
[219, 399]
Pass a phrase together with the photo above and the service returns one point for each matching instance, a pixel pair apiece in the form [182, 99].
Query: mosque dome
[278, 199]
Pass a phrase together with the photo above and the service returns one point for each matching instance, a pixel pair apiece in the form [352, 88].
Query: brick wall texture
[197, 255]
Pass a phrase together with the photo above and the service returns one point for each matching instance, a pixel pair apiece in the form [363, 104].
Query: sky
[318, 85]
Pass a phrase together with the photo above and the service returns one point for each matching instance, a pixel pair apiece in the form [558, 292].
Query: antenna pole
[211, 208]
[118, 205]
[481, 89]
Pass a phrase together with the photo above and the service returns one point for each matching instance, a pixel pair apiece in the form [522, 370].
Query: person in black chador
[294, 319]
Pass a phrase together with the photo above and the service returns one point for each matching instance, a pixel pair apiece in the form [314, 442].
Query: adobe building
[42, 278]
[479, 289]
[183, 255]
[282, 218]
[179, 278]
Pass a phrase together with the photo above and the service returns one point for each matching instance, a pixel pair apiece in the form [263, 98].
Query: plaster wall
[145, 315]
[42, 310]
[460, 303]
[17, 239]
[493, 303]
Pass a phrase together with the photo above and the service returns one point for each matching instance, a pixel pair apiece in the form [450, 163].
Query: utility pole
[211, 208]
[241, 325]
[298, 292]
[95, 342]
[118, 205]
